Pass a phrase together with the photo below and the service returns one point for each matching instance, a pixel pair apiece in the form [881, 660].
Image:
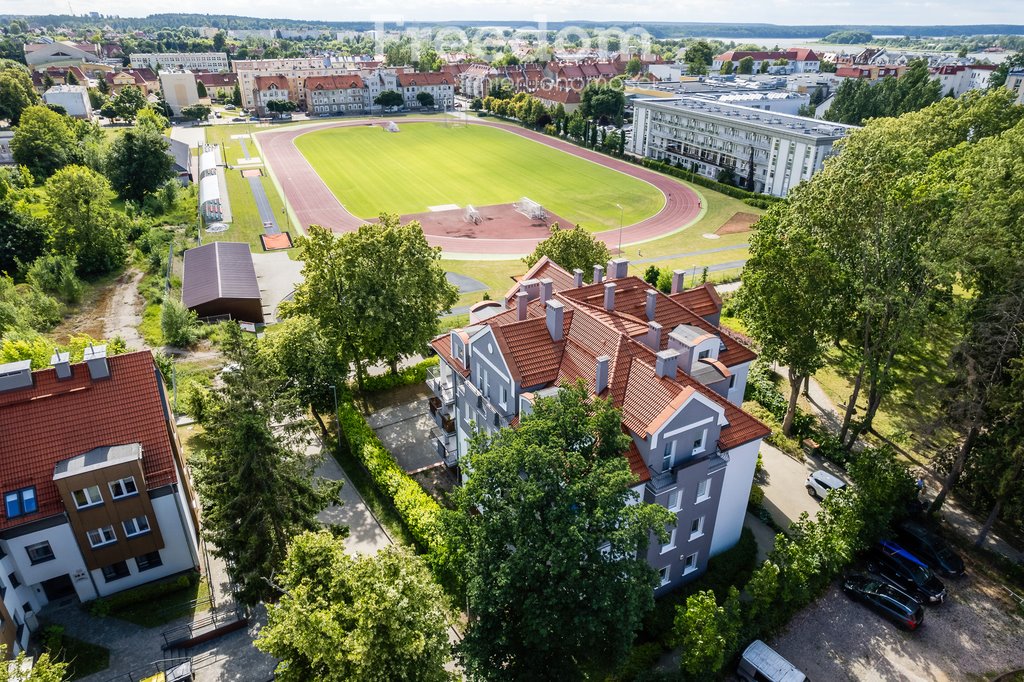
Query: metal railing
[180, 636]
[660, 480]
[442, 388]
[179, 667]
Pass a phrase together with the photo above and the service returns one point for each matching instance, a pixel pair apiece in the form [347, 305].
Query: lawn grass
[371, 171]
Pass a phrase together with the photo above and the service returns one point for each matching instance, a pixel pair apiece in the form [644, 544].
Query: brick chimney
[522, 299]
[667, 363]
[652, 303]
[678, 277]
[653, 338]
[609, 296]
[555, 317]
[601, 378]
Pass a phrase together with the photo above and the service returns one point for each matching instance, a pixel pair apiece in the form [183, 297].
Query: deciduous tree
[44, 142]
[128, 102]
[572, 248]
[554, 542]
[82, 223]
[16, 91]
[22, 236]
[389, 98]
[377, 618]
[137, 163]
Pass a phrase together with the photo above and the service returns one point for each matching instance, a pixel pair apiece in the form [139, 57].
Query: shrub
[652, 275]
[756, 496]
[414, 374]
[637, 667]
[178, 324]
[55, 275]
[764, 200]
[140, 595]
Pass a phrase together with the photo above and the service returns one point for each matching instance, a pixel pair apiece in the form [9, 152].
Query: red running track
[315, 204]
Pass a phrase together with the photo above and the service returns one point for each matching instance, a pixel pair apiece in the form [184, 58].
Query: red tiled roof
[545, 268]
[335, 82]
[565, 96]
[264, 82]
[636, 463]
[55, 420]
[443, 346]
[427, 78]
[218, 80]
[703, 300]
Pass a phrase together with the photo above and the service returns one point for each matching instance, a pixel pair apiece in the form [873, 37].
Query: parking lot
[979, 631]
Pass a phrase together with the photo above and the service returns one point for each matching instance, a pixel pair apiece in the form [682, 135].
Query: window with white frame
[664, 574]
[698, 444]
[703, 354]
[504, 396]
[675, 500]
[671, 544]
[87, 497]
[668, 456]
[697, 528]
[102, 536]
[124, 487]
[690, 564]
[704, 490]
[137, 526]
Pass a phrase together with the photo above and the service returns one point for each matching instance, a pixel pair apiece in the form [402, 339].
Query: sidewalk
[952, 513]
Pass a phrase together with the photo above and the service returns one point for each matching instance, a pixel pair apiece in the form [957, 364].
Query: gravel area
[975, 634]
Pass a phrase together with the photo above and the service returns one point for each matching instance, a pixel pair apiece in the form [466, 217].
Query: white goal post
[530, 208]
[391, 127]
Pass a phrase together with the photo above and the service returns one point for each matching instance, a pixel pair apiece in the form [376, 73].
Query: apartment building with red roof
[96, 498]
[800, 59]
[439, 85]
[661, 359]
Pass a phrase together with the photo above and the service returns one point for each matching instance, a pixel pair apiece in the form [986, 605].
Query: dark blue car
[905, 571]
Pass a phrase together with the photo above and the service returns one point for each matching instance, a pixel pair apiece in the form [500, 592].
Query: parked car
[821, 483]
[902, 569]
[931, 549]
[886, 599]
[236, 119]
[761, 663]
[230, 107]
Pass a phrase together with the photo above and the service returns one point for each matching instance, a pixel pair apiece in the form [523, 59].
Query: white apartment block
[178, 61]
[709, 137]
[96, 497]
[74, 99]
[960, 78]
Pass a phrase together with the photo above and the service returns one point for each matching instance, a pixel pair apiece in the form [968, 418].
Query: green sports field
[428, 164]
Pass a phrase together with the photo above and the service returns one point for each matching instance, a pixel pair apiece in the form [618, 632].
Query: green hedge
[419, 511]
[414, 374]
[139, 595]
[751, 198]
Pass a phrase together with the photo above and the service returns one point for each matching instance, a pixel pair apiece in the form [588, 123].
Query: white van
[761, 663]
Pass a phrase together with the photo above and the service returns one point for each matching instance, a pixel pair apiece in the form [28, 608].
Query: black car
[931, 549]
[902, 569]
[890, 601]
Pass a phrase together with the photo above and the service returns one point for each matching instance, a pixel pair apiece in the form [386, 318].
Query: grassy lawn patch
[157, 603]
[426, 164]
[83, 658]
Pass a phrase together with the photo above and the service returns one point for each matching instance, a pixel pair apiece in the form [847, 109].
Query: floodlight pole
[619, 206]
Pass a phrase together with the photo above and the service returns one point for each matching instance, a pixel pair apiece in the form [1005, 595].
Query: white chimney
[555, 318]
[601, 378]
[618, 268]
[96, 359]
[652, 303]
[653, 338]
[667, 363]
[15, 375]
[62, 364]
[609, 296]
[577, 278]
[546, 286]
[522, 299]
[678, 278]
[598, 274]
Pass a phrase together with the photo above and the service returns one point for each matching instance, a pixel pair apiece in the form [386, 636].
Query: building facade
[1015, 82]
[270, 89]
[661, 359]
[336, 95]
[96, 496]
[179, 90]
[181, 61]
[798, 59]
[74, 99]
[778, 150]
[440, 86]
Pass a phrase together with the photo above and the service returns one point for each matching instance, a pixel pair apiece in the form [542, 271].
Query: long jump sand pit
[739, 222]
[500, 221]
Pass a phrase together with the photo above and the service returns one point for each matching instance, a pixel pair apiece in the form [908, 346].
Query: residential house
[799, 59]
[144, 79]
[1015, 82]
[96, 495]
[218, 85]
[439, 85]
[661, 359]
[269, 89]
[956, 79]
[58, 76]
[73, 98]
[550, 97]
[871, 72]
[336, 95]
[181, 159]
[179, 90]
[62, 52]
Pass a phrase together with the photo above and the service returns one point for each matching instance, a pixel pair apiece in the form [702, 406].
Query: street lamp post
[619, 206]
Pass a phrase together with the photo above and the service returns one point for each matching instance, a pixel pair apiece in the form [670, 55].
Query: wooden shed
[219, 280]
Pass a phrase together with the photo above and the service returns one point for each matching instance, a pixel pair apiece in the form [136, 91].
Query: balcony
[660, 480]
[447, 444]
[441, 385]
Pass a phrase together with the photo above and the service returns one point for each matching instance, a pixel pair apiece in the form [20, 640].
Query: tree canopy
[389, 98]
[137, 162]
[572, 248]
[857, 100]
[81, 222]
[376, 618]
[16, 90]
[554, 543]
[602, 101]
[44, 141]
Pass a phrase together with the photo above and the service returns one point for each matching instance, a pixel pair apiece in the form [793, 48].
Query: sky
[799, 12]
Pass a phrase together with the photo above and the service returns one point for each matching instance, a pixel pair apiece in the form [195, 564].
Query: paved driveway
[785, 493]
[278, 276]
[405, 431]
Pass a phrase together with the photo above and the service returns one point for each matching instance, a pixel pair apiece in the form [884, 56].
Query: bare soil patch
[499, 221]
[739, 222]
